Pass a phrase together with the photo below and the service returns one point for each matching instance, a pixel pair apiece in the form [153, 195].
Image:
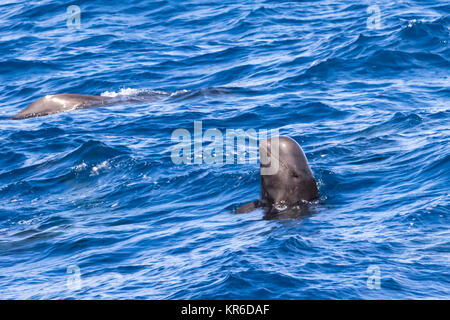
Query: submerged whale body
[56, 103]
[293, 182]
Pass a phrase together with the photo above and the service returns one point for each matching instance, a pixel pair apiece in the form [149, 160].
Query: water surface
[95, 191]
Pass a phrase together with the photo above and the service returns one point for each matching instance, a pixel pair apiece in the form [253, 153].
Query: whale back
[56, 103]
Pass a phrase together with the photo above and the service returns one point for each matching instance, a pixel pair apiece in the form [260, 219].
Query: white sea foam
[138, 92]
[96, 169]
[122, 92]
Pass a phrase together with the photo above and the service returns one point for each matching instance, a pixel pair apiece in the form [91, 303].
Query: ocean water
[93, 207]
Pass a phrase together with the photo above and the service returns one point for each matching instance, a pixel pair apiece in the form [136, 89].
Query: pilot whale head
[286, 179]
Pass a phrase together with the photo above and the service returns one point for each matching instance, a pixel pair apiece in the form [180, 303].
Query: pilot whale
[291, 184]
[56, 103]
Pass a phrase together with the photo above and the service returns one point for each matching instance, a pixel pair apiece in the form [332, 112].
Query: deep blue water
[92, 206]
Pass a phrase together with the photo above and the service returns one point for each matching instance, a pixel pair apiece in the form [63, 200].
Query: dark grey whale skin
[56, 103]
[291, 185]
